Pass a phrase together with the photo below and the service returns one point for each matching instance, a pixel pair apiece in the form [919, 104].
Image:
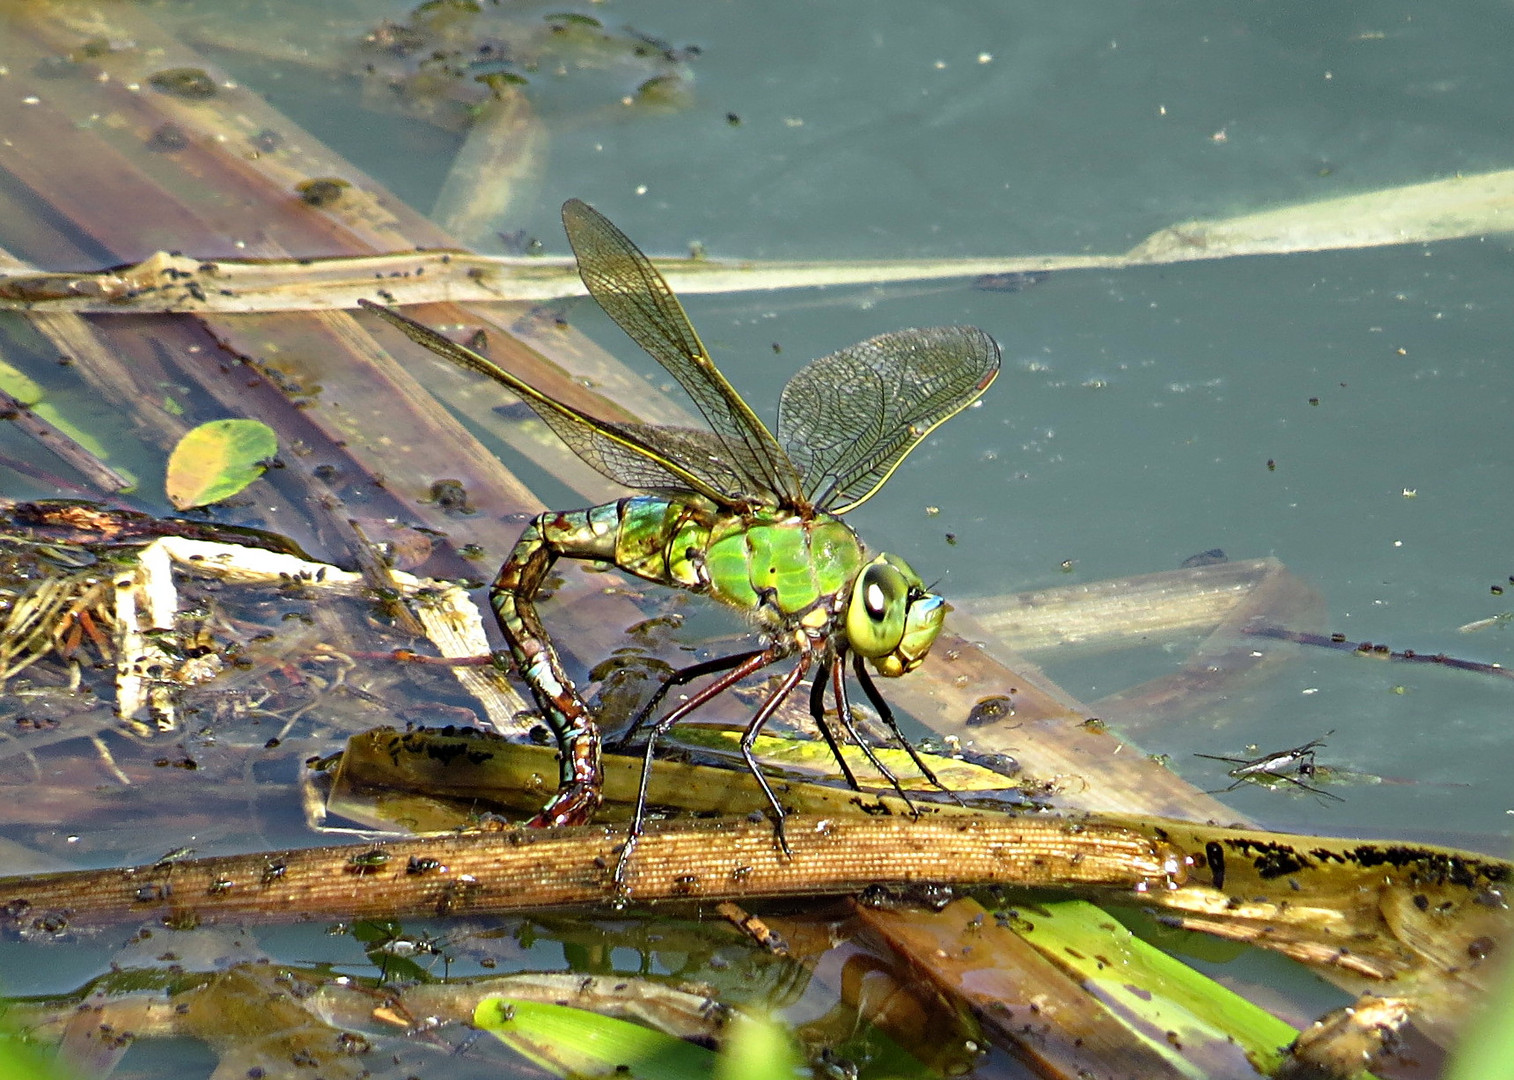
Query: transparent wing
[681, 453]
[637, 455]
[848, 419]
[634, 294]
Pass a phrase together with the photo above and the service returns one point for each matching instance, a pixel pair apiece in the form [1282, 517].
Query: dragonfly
[735, 513]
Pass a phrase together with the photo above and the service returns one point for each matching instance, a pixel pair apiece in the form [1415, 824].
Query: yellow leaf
[217, 460]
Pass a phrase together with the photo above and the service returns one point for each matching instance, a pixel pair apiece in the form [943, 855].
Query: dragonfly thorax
[891, 619]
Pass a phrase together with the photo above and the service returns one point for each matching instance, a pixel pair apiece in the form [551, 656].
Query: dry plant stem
[380, 577]
[1372, 651]
[198, 1010]
[1365, 909]
[48, 481]
[493, 873]
[169, 283]
[1417, 213]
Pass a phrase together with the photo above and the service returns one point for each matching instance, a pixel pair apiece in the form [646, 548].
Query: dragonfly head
[891, 619]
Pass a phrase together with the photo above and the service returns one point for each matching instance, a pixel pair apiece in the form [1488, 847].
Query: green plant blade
[18, 385]
[812, 759]
[573, 1042]
[1187, 1017]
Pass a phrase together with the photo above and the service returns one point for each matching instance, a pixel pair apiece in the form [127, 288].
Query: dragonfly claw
[783, 840]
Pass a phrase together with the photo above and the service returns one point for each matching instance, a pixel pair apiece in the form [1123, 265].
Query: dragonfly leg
[817, 711]
[750, 662]
[749, 737]
[580, 777]
[844, 710]
[887, 716]
[679, 678]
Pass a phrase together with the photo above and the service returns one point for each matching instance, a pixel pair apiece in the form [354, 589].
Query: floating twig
[1379, 652]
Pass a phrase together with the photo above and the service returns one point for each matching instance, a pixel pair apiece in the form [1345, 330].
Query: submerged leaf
[574, 1042]
[24, 389]
[1183, 1015]
[217, 460]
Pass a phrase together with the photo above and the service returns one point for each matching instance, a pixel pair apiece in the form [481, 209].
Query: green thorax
[766, 559]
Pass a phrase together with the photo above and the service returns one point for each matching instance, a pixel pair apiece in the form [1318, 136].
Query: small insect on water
[1279, 767]
[734, 513]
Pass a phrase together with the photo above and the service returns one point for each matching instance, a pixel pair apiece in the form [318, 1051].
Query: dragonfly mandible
[750, 519]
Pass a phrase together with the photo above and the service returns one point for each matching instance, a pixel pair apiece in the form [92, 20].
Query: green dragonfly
[734, 513]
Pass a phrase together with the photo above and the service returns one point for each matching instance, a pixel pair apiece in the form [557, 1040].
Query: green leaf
[1183, 1015]
[811, 759]
[573, 1042]
[759, 1049]
[1486, 1046]
[217, 460]
[19, 1061]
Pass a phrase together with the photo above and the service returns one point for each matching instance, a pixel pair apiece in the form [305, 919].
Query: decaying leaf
[217, 460]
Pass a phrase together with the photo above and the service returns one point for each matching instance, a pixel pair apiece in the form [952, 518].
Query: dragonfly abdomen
[657, 538]
[584, 534]
[664, 539]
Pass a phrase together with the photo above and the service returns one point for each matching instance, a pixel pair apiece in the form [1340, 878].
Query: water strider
[1281, 766]
[734, 513]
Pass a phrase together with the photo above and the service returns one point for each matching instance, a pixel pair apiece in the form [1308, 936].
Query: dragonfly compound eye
[893, 620]
[875, 617]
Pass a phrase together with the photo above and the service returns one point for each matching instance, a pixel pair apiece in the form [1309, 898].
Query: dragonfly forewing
[849, 419]
[625, 283]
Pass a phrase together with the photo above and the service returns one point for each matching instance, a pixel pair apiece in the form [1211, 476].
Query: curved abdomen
[773, 564]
